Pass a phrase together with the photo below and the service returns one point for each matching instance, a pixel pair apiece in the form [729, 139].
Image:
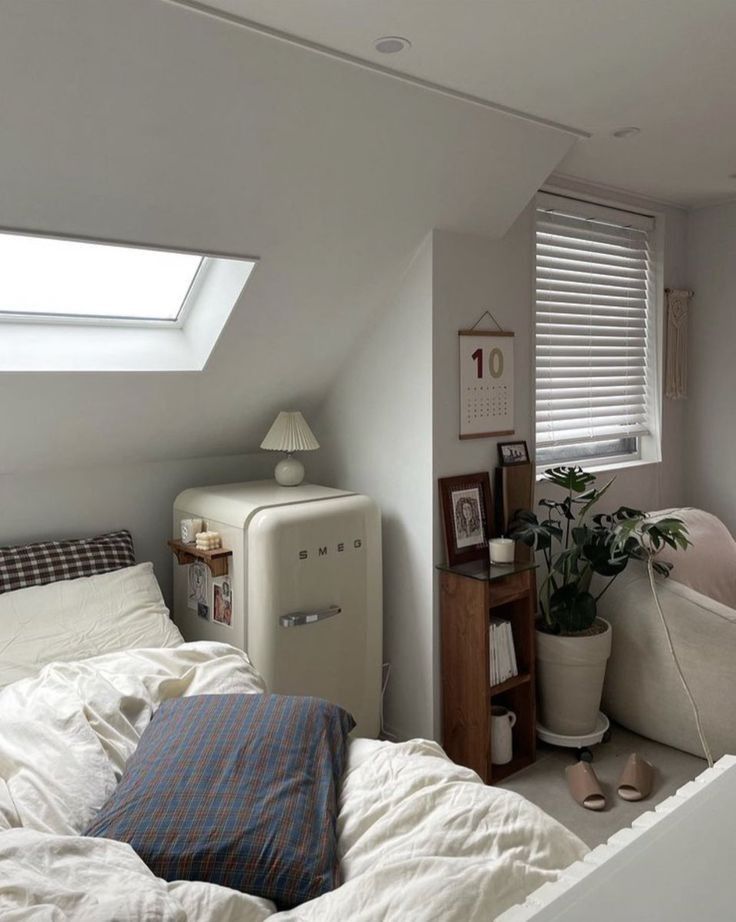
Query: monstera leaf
[530, 531]
[645, 536]
[600, 554]
[572, 479]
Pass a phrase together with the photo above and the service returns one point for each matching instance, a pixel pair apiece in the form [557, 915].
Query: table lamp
[289, 433]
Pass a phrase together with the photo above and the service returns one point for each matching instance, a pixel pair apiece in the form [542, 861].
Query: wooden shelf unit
[216, 560]
[513, 682]
[466, 602]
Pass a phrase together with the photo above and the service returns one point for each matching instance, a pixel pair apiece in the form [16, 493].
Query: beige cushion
[642, 690]
[709, 566]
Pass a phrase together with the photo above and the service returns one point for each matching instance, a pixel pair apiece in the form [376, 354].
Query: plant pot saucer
[576, 742]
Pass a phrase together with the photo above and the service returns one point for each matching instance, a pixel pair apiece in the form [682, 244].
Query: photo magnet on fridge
[198, 587]
[223, 601]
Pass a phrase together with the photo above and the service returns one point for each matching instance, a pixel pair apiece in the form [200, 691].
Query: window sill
[615, 465]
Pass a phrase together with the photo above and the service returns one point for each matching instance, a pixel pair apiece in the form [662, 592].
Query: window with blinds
[593, 339]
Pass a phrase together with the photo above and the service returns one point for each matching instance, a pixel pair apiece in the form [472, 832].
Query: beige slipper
[636, 779]
[584, 786]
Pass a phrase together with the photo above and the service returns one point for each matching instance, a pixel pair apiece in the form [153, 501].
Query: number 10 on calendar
[486, 384]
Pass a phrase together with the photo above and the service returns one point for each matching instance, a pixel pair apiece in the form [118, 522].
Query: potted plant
[573, 644]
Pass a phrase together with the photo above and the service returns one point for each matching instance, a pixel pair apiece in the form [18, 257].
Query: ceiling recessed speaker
[391, 44]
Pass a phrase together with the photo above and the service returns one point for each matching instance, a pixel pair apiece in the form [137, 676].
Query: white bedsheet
[420, 838]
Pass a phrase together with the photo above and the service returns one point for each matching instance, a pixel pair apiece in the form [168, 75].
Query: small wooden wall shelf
[216, 560]
[468, 594]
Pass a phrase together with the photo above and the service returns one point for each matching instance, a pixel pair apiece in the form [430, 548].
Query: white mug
[502, 720]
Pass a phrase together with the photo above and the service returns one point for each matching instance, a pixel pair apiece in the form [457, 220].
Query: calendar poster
[486, 383]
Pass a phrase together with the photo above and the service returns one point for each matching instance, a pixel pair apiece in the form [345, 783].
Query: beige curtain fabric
[676, 354]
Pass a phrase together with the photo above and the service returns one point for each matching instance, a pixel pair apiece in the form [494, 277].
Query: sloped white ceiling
[144, 122]
[665, 66]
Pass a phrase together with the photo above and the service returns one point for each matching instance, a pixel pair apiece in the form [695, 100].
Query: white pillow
[78, 618]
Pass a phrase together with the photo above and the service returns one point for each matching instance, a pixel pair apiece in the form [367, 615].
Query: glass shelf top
[485, 572]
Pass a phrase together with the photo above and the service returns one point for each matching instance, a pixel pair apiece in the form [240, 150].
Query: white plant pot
[570, 673]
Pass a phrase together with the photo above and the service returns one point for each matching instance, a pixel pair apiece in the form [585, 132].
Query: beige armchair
[642, 690]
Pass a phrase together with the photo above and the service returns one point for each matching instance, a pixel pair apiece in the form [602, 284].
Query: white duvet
[420, 838]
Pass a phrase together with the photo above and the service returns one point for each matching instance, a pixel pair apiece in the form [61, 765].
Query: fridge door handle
[297, 618]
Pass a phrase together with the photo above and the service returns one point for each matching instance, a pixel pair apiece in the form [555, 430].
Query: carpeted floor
[544, 783]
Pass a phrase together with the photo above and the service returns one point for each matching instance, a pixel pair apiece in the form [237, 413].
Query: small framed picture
[223, 601]
[198, 589]
[512, 453]
[466, 504]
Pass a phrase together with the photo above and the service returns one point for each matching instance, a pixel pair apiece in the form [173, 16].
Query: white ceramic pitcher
[502, 749]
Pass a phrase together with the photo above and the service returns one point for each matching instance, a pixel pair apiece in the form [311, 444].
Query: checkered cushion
[49, 561]
[238, 790]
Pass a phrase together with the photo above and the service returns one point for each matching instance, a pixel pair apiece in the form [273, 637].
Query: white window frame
[65, 342]
[649, 446]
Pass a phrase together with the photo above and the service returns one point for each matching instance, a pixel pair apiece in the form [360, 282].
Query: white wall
[85, 501]
[376, 431]
[710, 447]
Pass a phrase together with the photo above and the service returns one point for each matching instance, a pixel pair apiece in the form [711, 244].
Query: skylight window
[72, 305]
[54, 278]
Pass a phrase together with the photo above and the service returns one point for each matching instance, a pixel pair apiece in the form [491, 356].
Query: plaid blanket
[49, 561]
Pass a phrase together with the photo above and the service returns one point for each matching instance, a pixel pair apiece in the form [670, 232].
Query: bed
[85, 664]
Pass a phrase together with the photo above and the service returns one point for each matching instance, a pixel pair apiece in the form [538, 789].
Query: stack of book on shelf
[503, 654]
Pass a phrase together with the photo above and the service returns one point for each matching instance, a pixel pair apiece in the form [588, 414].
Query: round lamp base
[289, 472]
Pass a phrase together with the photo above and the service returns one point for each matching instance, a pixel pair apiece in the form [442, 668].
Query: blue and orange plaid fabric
[237, 790]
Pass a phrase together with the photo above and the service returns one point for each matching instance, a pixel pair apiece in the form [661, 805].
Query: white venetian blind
[593, 295]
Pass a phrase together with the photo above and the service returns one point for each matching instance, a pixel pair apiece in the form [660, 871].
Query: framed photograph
[223, 601]
[512, 453]
[466, 504]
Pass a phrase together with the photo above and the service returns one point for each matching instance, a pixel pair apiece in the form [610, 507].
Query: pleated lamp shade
[289, 432]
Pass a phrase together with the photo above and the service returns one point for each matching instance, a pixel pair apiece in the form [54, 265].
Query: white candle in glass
[501, 550]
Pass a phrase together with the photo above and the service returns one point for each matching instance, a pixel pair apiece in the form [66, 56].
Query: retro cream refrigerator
[303, 592]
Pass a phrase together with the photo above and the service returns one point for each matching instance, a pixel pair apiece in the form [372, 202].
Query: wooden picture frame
[467, 513]
[511, 453]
